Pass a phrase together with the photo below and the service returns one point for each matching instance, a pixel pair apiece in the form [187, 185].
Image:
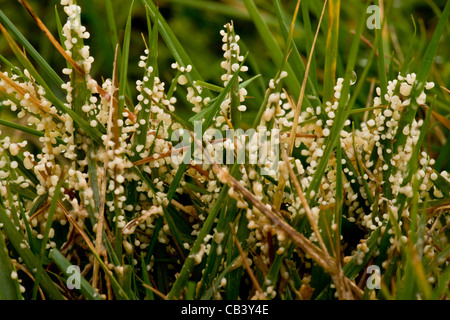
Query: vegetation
[119, 178]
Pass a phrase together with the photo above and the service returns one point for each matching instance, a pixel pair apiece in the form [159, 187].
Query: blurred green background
[197, 23]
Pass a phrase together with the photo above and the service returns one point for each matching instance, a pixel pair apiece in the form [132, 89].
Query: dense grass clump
[320, 174]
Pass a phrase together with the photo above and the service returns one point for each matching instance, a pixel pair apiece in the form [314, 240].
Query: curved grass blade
[85, 288]
[124, 63]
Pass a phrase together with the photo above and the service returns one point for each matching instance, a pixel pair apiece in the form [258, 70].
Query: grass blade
[9, 287]
[189, 263]
[331, 49]
[124, 63]
[48, 70]
[342, 113]
[18, 241]
[422, 76]
[175, 47]
[272, 46]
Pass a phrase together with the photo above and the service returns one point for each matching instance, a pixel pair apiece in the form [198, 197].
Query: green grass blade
[213, 263]
[47, 69]
[219, 89]
[85, 288]
[331, 49]
[352, 269]
[422, 76]
[14, 69]
[19, 127]
[94, 133]
[8, 285]
[295, 60]
[339, 202]
[381, 62]
[442, 184]
[189, 263]
[111, 23]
